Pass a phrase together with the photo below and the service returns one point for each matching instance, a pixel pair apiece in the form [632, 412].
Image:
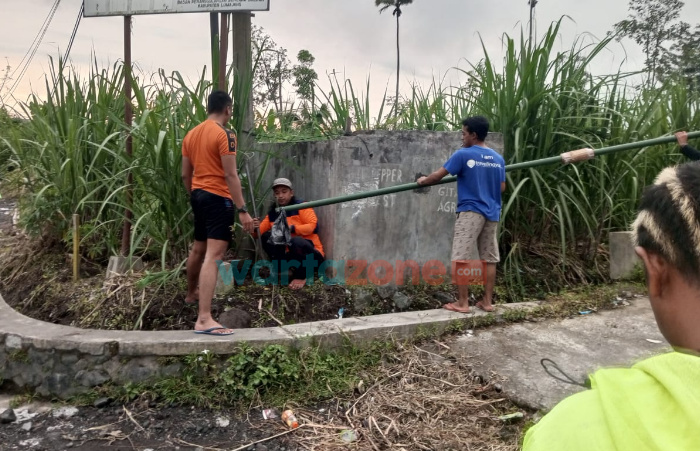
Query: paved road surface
[577, 345]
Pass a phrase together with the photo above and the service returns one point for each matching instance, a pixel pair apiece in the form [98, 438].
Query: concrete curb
[49, 357]
[18, 330]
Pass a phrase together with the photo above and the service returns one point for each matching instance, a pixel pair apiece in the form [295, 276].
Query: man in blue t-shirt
[481, 178]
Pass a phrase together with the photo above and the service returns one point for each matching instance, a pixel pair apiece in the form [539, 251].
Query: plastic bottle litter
[289, 418]
[511, 416]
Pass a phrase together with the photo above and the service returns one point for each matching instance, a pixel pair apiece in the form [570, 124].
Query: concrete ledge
[63, 361]
[623, 258]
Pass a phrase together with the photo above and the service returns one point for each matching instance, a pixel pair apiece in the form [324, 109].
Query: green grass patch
[19, 356]
[275, 375]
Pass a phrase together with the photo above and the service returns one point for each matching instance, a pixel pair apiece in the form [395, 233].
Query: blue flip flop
[211, 330]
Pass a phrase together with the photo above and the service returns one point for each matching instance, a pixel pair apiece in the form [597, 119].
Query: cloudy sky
[347, 36]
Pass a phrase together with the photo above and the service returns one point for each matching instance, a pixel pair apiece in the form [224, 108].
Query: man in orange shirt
[211, 179]
[305, 249]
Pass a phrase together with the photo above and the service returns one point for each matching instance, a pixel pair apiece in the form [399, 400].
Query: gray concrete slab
[579, 346]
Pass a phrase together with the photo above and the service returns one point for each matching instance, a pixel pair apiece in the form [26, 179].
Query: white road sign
[94, 8]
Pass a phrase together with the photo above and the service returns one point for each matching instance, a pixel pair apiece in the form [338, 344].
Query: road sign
[95, 8]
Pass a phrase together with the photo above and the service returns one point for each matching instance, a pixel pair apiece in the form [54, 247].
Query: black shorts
[213, 216]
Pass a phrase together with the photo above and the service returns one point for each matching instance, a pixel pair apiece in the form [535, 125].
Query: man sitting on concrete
[305, 242]
[655, 405]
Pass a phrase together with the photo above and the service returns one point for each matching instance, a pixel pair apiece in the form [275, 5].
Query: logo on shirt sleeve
[231, 141]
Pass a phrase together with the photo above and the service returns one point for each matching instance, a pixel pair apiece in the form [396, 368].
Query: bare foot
[484, 307]
[455, 308]
[297, 284]
[192, 298]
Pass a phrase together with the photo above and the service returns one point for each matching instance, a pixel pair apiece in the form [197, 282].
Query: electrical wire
[32, 49]
[75, 31]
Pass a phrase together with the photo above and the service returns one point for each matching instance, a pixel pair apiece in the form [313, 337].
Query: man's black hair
[218, 101]
[668, 219]
[478, 125]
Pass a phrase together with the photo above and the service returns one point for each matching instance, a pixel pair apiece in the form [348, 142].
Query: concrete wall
[402, 226]
[623, 258]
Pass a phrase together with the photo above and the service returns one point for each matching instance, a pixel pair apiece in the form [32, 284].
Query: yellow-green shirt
[653, 406]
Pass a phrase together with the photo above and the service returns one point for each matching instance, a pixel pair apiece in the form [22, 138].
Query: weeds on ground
[274, 375]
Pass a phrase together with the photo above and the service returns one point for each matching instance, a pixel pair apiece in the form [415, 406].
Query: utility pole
[128, 116]
[532, 4]
[214, 30]
[242, 61]
[223, 50]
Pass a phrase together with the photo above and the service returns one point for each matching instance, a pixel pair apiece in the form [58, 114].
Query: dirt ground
[135, 427]
[425, 400]
[36, 280]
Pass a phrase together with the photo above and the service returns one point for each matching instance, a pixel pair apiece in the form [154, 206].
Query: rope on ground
[567, 379]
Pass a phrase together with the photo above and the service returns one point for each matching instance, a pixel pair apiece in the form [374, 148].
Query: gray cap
[282, 182]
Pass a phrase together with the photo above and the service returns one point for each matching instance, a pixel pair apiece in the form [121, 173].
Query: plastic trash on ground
[348, 436]
[511, 416]
[269, 414]
[289, 418]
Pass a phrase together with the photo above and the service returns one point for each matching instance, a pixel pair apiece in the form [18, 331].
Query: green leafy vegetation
[555, 219]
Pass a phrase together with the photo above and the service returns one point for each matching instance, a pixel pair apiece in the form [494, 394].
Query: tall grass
[555, 219]
[72, 155]
[545, 102]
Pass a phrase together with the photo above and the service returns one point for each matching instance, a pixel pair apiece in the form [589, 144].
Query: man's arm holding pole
[690, 152]
[433, 178]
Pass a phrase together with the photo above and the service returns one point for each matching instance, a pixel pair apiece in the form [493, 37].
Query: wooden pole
[241, 60]
[532, 4]
[76, 247]
[128, 115]
[214, 29]
[223, 50]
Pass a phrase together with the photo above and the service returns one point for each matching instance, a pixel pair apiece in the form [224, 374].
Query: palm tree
[396, 4]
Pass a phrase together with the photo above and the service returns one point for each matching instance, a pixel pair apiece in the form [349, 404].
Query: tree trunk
[398, 59]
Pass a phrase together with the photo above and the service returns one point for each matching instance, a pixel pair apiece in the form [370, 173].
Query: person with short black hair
[655, 405]
[481, 179]
[211, 179]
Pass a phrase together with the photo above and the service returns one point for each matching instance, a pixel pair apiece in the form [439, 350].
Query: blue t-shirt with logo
[480, 172]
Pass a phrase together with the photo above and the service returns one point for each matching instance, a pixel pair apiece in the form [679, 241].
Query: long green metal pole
[567, 157]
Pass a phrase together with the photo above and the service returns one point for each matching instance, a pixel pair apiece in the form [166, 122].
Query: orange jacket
[305, 225]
